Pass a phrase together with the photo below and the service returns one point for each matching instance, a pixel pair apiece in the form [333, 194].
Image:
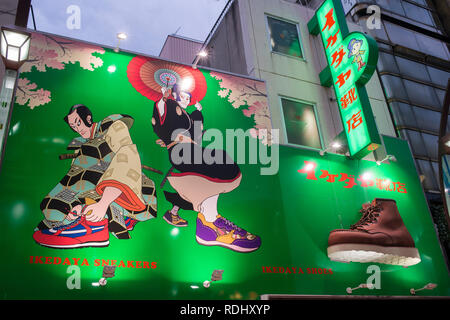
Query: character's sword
[163, 182]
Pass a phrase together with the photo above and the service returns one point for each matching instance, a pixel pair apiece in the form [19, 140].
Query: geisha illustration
[104, 190]
[198, 185]
[354, 50]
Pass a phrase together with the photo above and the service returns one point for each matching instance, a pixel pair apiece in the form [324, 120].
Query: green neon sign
[352, 59]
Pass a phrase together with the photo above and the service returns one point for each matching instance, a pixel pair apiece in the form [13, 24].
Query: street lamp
[335, 145]
[14, 46]
[14, 49]
[120, 36]
[201, 54]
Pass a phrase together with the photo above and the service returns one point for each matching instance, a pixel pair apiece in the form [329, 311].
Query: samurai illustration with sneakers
[104, 191]
[198, 184]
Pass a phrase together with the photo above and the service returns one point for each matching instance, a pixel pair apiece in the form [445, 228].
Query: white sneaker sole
[224, 245]
[402, 256]
[78, 245]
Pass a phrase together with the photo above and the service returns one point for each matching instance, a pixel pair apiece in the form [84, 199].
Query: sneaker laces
[369, 215]
[70, 225]
[233, 227]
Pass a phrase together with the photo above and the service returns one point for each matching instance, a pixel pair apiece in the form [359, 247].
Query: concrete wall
[180, 49]
[226, 46]
[290, 76]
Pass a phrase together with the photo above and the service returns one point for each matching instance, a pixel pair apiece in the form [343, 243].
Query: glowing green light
[352, 58]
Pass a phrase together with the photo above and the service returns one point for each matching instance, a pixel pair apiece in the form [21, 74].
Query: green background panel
[292, 215]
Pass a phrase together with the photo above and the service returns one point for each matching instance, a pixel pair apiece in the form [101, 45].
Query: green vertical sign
[352, 59]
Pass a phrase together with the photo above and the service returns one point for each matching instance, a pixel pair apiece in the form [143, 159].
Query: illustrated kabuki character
[354, 50]
[104, 190]
[198, 183]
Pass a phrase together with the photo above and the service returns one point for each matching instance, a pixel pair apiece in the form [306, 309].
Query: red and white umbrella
[149, 75]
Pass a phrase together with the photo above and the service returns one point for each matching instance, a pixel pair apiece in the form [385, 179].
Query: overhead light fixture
[120, 36]
[429, 286]
[387, 158]
[201, 54]
[362, 285]
[14, 47]
[216, 276]
[111, 68]
[108, 272]
[335, 145]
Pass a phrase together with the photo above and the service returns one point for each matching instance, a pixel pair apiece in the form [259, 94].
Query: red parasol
[148, 75]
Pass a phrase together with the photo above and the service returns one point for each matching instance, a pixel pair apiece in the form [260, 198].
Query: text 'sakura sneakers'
[78, 234]
[379, 236]
[224, 233]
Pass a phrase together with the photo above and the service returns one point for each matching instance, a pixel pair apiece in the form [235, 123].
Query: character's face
[356, 48]
[185, 99]
[78, 125]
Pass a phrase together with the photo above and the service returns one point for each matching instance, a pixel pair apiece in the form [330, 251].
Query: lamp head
[121, 36]
[14, 47]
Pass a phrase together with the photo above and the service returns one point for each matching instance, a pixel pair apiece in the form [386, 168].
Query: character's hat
[351, 44]
[148, 75]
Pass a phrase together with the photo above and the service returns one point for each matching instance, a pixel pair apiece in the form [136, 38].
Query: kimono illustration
[108, 158]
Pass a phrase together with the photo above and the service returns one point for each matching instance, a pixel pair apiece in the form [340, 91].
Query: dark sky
[146, 22]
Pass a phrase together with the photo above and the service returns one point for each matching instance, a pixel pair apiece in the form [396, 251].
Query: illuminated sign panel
[352, 59]
[152, 254]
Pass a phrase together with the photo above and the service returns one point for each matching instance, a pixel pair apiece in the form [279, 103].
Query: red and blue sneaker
[224, 233]
[78, 234]
[130, 223]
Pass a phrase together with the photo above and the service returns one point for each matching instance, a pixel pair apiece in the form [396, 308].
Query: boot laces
[369, 216]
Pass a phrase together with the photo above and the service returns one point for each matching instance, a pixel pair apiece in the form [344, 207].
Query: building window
[300, 123]
[284, 37]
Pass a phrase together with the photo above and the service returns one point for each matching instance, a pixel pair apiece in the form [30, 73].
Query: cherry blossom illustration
[48, 51]
[28, 93]
[252, 96]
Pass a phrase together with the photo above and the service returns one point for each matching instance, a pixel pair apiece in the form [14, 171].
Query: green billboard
[92, 178]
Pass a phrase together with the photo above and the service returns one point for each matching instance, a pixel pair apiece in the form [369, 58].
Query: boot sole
[402, 256]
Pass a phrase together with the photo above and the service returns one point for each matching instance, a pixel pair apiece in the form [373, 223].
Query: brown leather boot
[379, 236]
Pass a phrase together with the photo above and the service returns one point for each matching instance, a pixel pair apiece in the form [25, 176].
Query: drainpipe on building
[23, 10]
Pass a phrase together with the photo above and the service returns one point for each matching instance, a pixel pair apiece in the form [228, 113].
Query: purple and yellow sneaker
[226, 234]
[174, 220]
